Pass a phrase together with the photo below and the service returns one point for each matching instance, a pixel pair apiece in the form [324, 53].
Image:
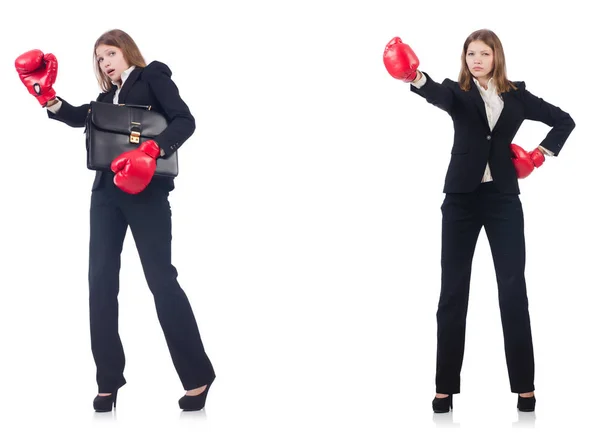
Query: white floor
[318, 400]
[316, 362]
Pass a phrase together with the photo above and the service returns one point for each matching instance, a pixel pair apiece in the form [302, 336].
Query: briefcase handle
[145, 107]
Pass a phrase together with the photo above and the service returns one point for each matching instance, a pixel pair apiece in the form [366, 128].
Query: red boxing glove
[38, 72]
[525, 161]
[400, 60]
[537, 156]
[134, 169]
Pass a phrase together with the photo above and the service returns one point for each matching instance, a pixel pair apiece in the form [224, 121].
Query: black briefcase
[112, 129]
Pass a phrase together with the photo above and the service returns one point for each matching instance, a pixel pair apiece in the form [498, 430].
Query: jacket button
[489, 137]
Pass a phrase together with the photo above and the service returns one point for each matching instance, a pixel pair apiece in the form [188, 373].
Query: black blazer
[153, 86]
[474, 143]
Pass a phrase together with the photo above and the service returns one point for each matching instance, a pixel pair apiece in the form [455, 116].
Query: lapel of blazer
[133, 76]
[478, 100]
[507, 98]
[110, 95]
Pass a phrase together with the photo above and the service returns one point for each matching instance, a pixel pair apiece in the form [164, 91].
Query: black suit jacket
[474, 143]
[153, 86]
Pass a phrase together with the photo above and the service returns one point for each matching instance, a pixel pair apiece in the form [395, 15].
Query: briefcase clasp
[135, 133]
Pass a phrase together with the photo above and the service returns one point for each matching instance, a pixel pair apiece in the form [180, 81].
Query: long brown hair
[489, 38]
[131, 53]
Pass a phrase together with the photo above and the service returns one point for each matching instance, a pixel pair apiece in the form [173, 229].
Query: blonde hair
[489, 38]
[131, 53]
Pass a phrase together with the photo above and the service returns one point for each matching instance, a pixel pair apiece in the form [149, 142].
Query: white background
[306, 221]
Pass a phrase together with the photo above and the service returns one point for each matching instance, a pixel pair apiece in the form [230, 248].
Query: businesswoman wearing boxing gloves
[481, 190]
[130, 197]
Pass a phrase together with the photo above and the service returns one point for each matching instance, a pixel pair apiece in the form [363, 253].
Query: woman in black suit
[482, 190]
[131, 197]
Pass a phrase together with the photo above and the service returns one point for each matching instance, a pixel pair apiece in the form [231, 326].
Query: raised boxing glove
[400, 60]
[38, 73]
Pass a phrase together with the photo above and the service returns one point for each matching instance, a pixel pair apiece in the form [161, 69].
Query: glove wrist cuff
[46, 97]
[538, 158]
[150, 148]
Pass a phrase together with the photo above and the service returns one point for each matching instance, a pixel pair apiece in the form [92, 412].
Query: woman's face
[480, 59]
[111, 61]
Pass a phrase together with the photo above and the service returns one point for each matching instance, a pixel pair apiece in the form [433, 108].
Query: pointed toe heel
[196, 402]
[526, 404]
[105, 403]
[442, 405]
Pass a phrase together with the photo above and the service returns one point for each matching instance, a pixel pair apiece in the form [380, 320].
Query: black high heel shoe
[526, 404]
[194, 402]
[442, 405]
[105, 403]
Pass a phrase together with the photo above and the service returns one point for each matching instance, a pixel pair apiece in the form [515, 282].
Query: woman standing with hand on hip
[131, 197]
[481, 190]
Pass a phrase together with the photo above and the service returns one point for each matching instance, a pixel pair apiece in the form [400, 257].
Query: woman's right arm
[66, 113]
[437, 94]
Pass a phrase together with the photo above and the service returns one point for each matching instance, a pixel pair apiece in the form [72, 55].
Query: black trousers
[463, 215]
[148, 215]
